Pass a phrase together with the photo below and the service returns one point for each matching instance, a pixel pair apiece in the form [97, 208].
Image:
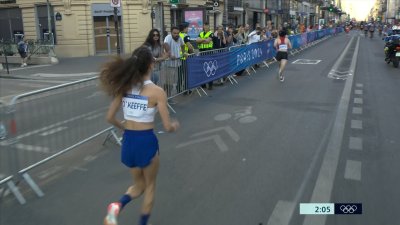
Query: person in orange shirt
[302, 28]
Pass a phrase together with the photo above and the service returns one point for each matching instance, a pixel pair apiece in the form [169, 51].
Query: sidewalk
[79, 66]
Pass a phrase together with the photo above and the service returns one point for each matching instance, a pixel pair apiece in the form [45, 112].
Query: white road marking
[324, 184]
[32, 148]
[222, 117]
[306, 61]
[357, 110]
[358, 92]
[64, 75]
[359, 85]
[228, 130]
[282, 213]
[353, 170]
[28, 67]
[358, 101]
[90, 158]
[216, 138]
[49, 172]
[356, 124]
[94, 116]
[355, 143]
[53, 131]
[95, 94]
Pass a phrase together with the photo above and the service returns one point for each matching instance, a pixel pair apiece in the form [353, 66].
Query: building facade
[86, 27]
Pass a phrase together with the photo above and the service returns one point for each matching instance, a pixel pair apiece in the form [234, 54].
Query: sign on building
[115, 3]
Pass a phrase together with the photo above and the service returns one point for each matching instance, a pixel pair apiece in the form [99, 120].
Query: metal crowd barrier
[41, 125]
[47, 123]
[173, 77]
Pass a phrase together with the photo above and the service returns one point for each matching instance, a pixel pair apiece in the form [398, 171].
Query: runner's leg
[133, 192]
[281, 69]
[150, 175]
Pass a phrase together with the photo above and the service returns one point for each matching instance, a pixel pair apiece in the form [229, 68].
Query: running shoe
[112, 214]
[281, 77]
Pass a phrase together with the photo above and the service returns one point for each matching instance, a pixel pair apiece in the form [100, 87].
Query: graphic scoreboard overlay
[330, 208]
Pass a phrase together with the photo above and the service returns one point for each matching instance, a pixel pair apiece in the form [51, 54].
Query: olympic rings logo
[348, 209]
[210, 68]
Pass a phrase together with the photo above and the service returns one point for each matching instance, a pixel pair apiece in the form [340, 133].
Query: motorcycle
[392, 52]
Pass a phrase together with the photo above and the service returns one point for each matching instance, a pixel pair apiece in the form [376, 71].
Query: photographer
[239, 35]
[219, 43]
[219, 40]
[230, 38]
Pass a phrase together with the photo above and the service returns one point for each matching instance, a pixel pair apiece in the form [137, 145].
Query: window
[43, 23]
[177, 17]
[11, 24]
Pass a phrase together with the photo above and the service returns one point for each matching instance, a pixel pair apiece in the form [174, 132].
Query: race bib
[283, 47]
[134, 105]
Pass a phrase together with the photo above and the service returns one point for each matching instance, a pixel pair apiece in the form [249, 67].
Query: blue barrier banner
[295, 40]
[320, 34]
[206, 68]
[304, 39]
[311, 36]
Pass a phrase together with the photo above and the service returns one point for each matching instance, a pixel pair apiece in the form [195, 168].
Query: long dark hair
[150, 41]
[118, 76]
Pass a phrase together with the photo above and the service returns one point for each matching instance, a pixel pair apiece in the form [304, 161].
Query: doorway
[105, 34]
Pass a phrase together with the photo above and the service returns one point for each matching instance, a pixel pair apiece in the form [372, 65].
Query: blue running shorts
[138, 148]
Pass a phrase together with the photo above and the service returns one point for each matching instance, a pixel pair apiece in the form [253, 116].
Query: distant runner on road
[282, 45]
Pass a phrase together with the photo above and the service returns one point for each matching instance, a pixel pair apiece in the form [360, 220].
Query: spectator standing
[254, 36]
[174, 46]
[240, 35]
[205, 43]
[219, 40]
[219, 43]
[230, 38]
[302, 28]
[246, 33]
[153, 42]
[23, 51]
[182, 82]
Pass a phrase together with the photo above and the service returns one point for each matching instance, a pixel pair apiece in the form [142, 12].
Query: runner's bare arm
[169, 125]
[112, 111]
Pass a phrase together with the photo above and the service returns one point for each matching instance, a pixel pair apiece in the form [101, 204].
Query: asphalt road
[250, 153]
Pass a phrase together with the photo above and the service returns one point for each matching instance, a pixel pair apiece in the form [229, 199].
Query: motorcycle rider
[371, 29]
[365, 27]
[392, 47]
